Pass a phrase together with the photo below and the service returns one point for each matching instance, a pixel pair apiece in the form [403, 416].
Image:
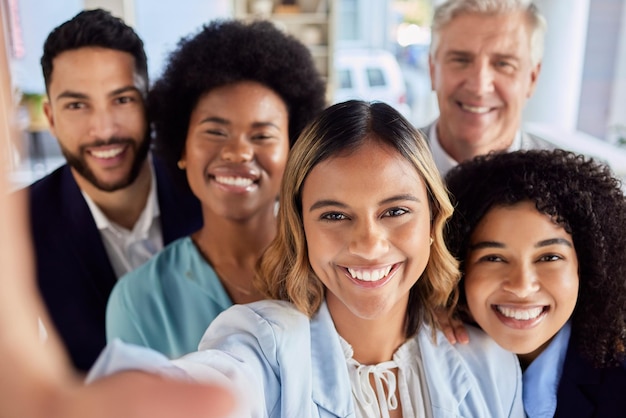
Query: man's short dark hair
[93, 28]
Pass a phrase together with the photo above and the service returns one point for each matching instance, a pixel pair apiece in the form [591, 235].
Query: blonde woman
[356, 271]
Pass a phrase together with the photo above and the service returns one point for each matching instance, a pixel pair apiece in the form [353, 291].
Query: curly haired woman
[231, 102]
[542, 249]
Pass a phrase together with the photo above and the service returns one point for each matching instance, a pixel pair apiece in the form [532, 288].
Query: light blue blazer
[291, 366]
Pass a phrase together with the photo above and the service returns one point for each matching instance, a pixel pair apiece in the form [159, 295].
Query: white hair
[450, 9]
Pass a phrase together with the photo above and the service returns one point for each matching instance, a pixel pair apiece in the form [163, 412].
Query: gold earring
[431, 240]
[181, 164]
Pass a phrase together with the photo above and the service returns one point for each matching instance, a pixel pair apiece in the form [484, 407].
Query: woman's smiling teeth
[234, 181]
[520, 314]
[371, 275]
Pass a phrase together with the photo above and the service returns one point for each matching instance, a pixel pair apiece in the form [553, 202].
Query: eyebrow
[69, 94]
[456, 52]
[222, 121]
[544, 243]
[507, 57]
[485, 244]
[329, 202]
[554, 241]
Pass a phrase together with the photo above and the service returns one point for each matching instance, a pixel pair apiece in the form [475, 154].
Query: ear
[534, 75]
[182, 161]
[431, 70]
[47, 110]
[432, 230]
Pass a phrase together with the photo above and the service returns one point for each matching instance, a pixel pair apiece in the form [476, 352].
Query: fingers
[448, 331]
[453, 328]
[455, 332]
[460, 332]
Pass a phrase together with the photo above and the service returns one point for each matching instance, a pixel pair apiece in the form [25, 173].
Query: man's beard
[78, 163]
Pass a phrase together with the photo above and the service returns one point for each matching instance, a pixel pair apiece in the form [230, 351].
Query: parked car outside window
[370, 74]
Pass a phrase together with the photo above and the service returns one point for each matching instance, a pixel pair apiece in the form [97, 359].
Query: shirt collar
[541, 379]
[445, 162]
[150, 211]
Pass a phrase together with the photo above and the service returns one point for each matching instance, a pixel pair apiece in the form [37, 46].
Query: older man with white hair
[485, 58]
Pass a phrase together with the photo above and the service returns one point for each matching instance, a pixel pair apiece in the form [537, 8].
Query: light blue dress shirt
[292, 366]
[541, 379]
[167, 303]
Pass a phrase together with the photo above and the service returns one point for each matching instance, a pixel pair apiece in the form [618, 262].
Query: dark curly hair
[225, 52]
[587, 200]
[94, 28]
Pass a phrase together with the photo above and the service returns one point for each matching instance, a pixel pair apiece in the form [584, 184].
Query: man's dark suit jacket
[585, 392]
[74, 274]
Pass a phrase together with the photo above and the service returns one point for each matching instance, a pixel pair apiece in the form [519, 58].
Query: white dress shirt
[129, 249]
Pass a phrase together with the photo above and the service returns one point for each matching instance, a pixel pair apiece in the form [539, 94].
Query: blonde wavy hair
[284, 271]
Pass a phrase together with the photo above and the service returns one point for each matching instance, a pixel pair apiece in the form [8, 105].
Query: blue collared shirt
[541, 379]
[289, 365]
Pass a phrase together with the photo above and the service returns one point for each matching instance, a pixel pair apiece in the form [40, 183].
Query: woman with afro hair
[232, 100]
[541, 241]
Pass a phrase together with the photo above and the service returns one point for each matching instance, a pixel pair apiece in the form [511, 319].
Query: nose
[368, 240]
[237, 149]
[521, 281]
[480, 78]
[103, 124]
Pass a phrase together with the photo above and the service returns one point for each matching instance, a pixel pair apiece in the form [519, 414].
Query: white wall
[556, 99]
[617, 114]
[37, 19]
[160, 23]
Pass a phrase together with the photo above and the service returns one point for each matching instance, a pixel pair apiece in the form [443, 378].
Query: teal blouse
[167, 303]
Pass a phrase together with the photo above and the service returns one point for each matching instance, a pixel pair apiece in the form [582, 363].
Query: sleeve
[246, 343]
[240, 347]
[119, 357]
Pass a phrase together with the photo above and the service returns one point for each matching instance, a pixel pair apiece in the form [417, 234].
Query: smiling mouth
[107, 153]
[475, 109]
[369, 275]
[521, 314]
[234, 181]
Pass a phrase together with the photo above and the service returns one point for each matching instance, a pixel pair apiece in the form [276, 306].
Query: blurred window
[348, 13]
[376, 77]
[345, 79]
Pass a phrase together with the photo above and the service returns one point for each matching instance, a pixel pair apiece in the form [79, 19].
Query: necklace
[244, 291]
